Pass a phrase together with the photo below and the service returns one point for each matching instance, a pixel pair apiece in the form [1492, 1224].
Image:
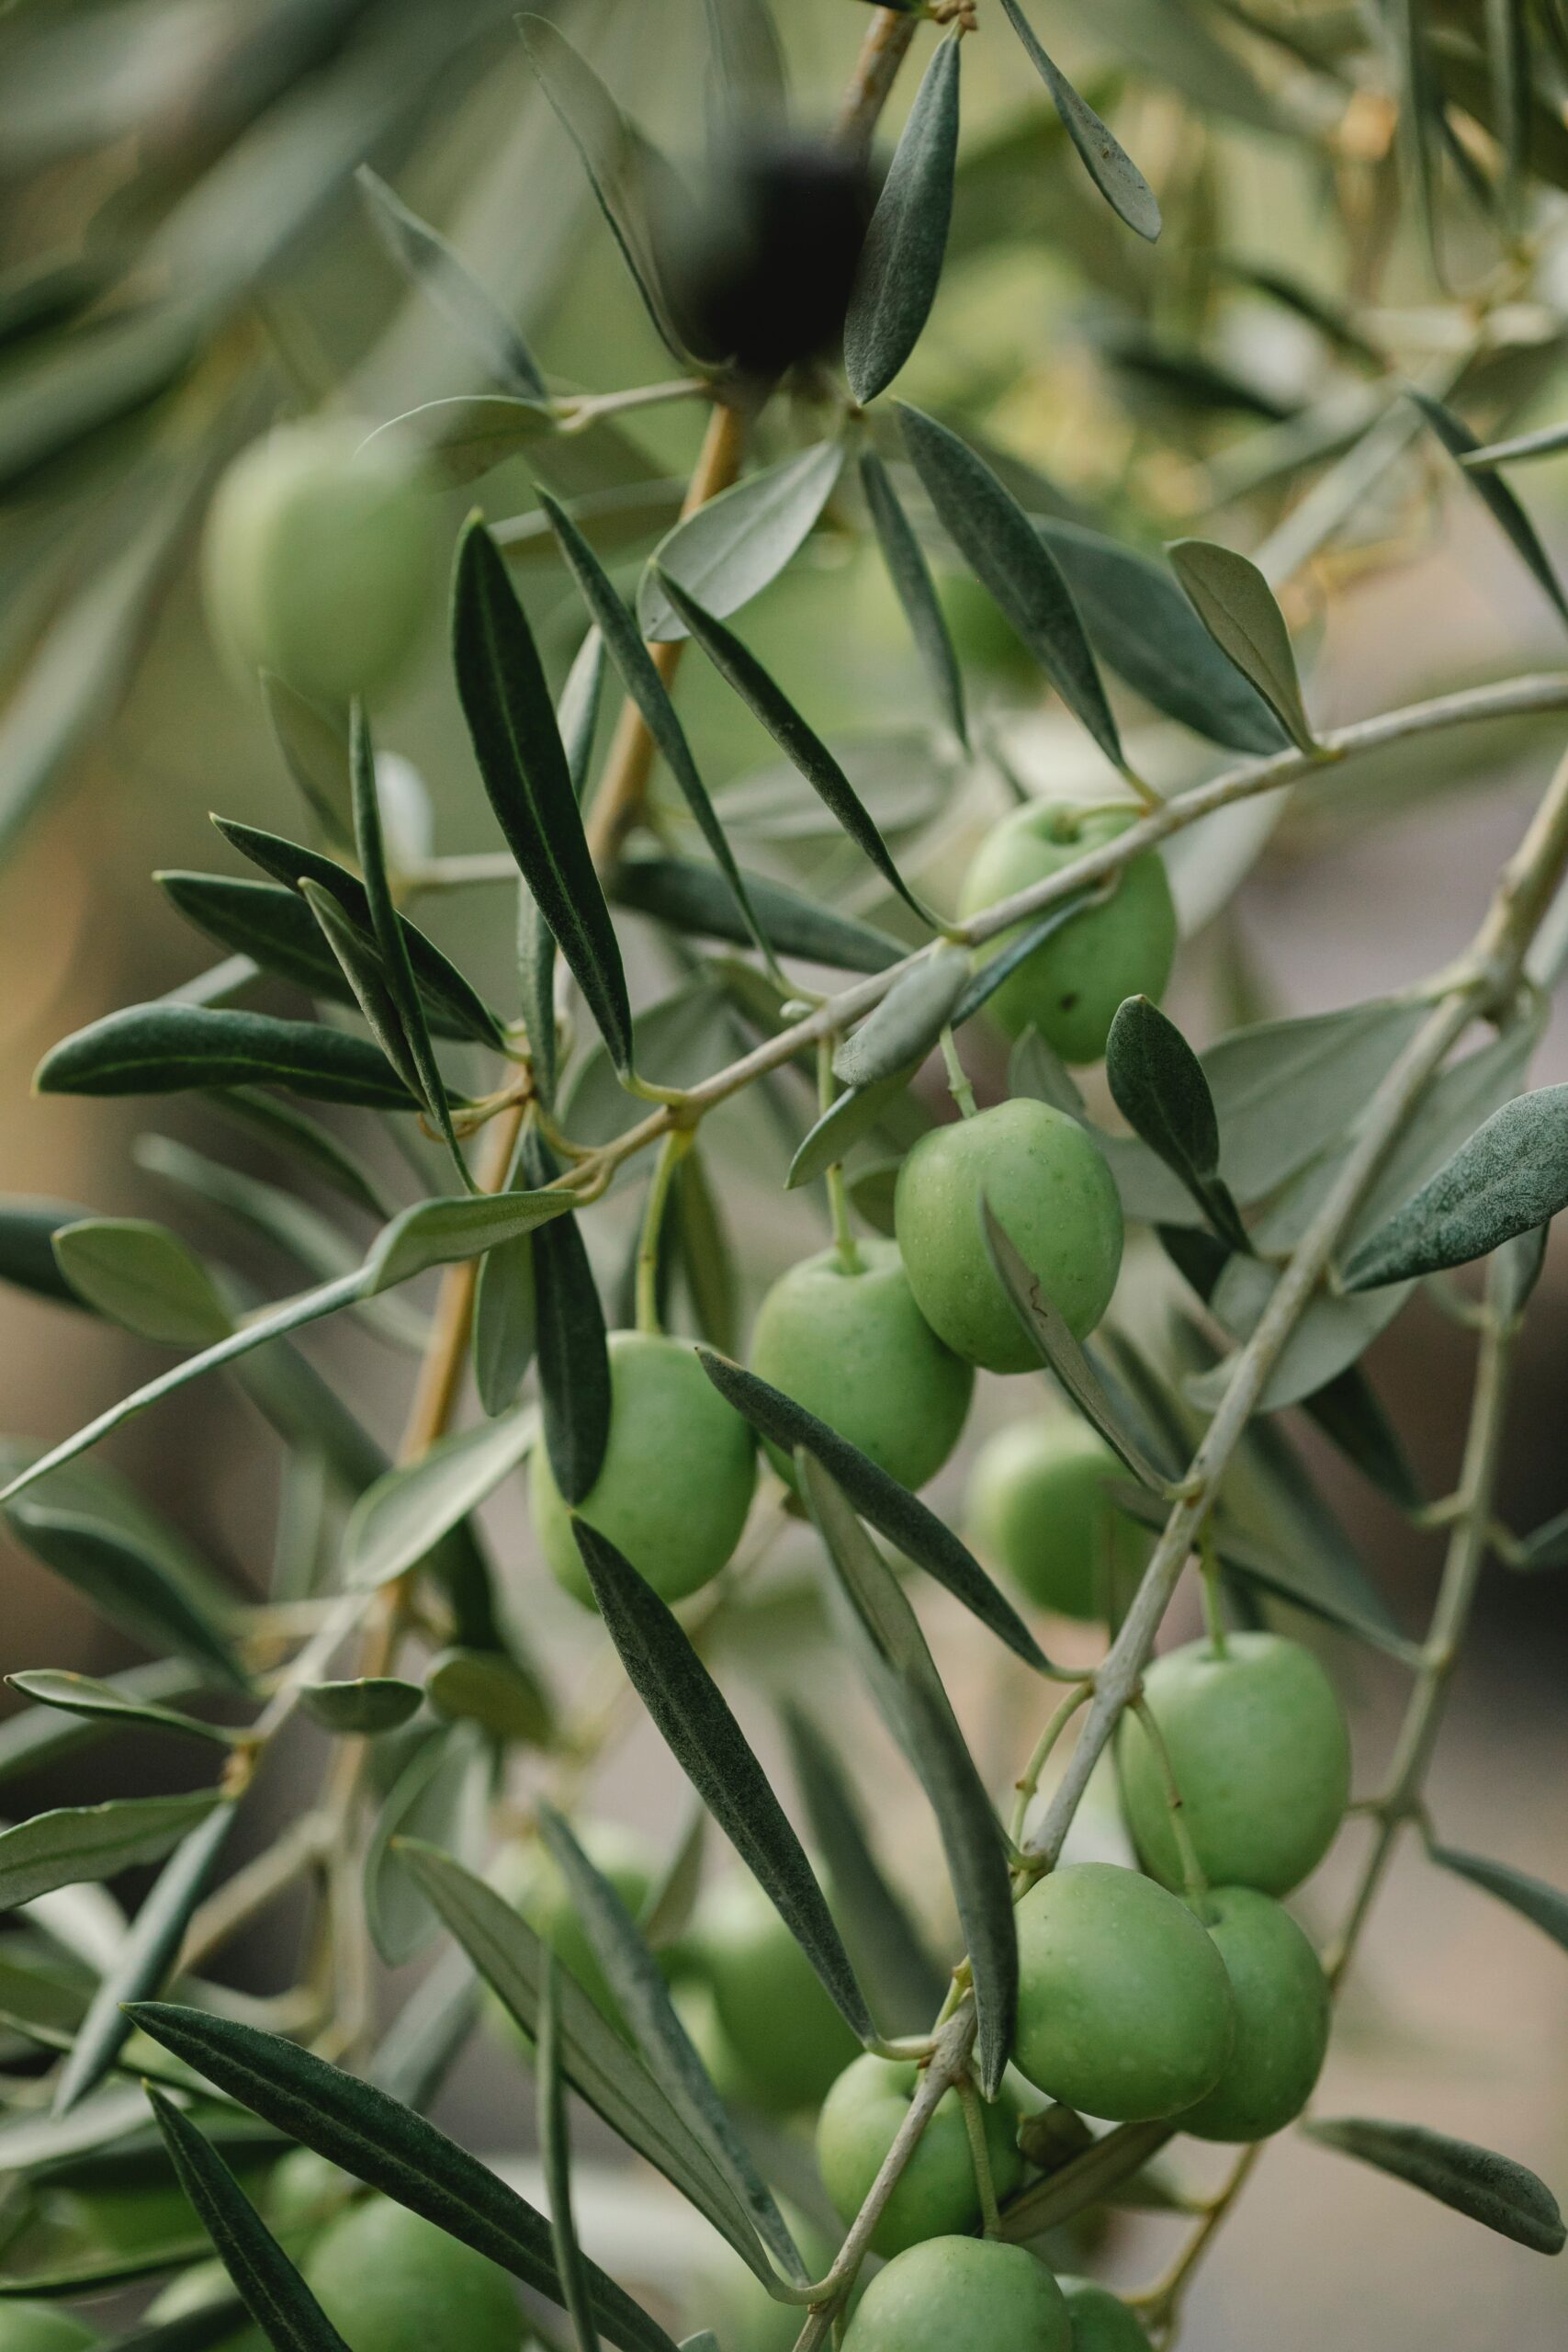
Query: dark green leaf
[1333, 1332]
[900, 263]
[523, 765]
[426, 257]
[1008, 557]
[891, 1509]
[1027, 937]
[34, 1737]
[1544, 1907]
[483, 1687]
[691, 1716]
[1488, 2189]
[435, 1796]
[1350, 1414]
[555, 2149]
[913, 586]
[78, 1843]
[728, 550]
[125, 1579]
[741, 669]
[911, 1696]
[298, 1138]
[387, 2145]
[1506, 512]
[852, 1115]
[438, 1233]
[144, 1277]
[270, 2288]
[1520, 1264]
[1236, 606]
[574, 1364]
[888, 1945]
[1510, 1177]
[1112, 171]
[163, 1048]
[1158, 1084]
[696, 899]
[1058, 1349]
[84, 1694]
[706, 1260]
[504, 1325]
[359, 961]
[904, 1027]
[145, 1959]
[27, 1254]
[1544, 444]
[362, 1710]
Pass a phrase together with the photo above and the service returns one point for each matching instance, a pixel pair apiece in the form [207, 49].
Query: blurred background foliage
[1354, 199]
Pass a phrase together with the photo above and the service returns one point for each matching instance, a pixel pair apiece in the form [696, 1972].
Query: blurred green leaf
[1505, 511]
[429, 262]
[126, 1577]
[1112, 171]
[574, 1366]
[84, 1694]
[144, 1277]
[1544, 1907]
[729, 550]
[95, 1841]
[913, 586]
[362, 1709]
[555, 2149]
[484, 1688]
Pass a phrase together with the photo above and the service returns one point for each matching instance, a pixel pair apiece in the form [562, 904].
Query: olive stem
[958, 1084]
[980, 2155]
[1028, 1784]
[844, 1240]
[1194, 1885]
[1214, 1612]
[676, 1144]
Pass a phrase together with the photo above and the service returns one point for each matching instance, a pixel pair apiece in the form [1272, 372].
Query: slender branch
[884, 49]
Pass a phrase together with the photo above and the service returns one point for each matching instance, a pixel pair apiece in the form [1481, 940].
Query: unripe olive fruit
[1102, 2321]
[854, 1349]
[675, 1484]
[962, 2295]
[1261, 1756]
[43, 2327]
[1039, 1505]
[320, 557]
[935, 2195]
[1281, 2018]
[1124, 2009]
[390, 2281]
[1049, 1187]
[788, 2039]
[1069, 988]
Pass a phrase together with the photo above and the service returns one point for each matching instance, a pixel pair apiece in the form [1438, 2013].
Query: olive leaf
[144, 1277]
[1010, 560]
[891, 1509]
[705, 1258]
[1544, 1907]
[404, 1515]
[555, 2149]
[27, 1229]
[1509, 1178]
[1158, 1085]
[915, 591]
[268, 2285]
[428, 261]
[362, 1709]
[1504, 507]
[900, 263]
[1236, 606]
[852, 1115]
[696, 899]
[91, 1842]
[359, 961]
[1545, 443]
[523, 767]
[504, 1325]
[483, 1687]
[387, 2145]
[573, 1358]
[1112, 169]
[108, 1702]
[1489, 2188]
[1350, 1414]
[126, 1576]
[440, 1232]
[432, 1791]
[731, 547]
[691, 1714]
[314, 745]
[900, 1032]
[167, 1049]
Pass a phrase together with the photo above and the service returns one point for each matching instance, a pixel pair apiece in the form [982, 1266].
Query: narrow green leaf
[1351, 1416]
[524, 767]
[298, 1138]
[362, 1710]
[903, 1029]
[90, 1842]
[390, 2148]
[405, 1514]
[84, 1694]
[886, 1944]
[916, 592]
[739, 668]
[365, 976]
[1520, 1264]
[262, 920]
[124, 1579]
[164, 1048]
[1111, 168]
[891, 1509]
[1011, 562]
[574, 1364]
[483, 1687]
[1545, 1548]
[267, 2281]
[989, 973]
[843, 1124]
[461, 438]
[314, 744]
[1492, 2190]
[1504, 507]
[1236, 606]
[671, 1900]
[504, 1325]
[692, 899]
[1158, 1084]
[1544, 444]
[1510, 1177]
[1037, 1070]
[416, 2054]
[728, 550]
[691, 1714]
[435, 1795]
[144, 1277]
[900, 263]
[747, 57]
[1544, 1907]
[1334, 1332]
[555, 2149]
[438, 1233]
[1284, 1089]
[922, 1718]
[623, 639]
[37, 1736]
[428, 261]
[707, 1259]
[1058, 1349]
[145, 1957]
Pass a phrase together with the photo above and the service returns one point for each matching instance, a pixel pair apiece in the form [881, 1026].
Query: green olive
[1261, 1754]
[1102, 2321]
[1050, 1189]
[1039, 1504]
[1069, 988]
[935, 2195]
[43, 2327]
[1281, 2019]
[1124, 2009]
[855, 1349]
[962, 2295]
[675, 1484]
[322, 559]
[789, 2041]
[390, 2281]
